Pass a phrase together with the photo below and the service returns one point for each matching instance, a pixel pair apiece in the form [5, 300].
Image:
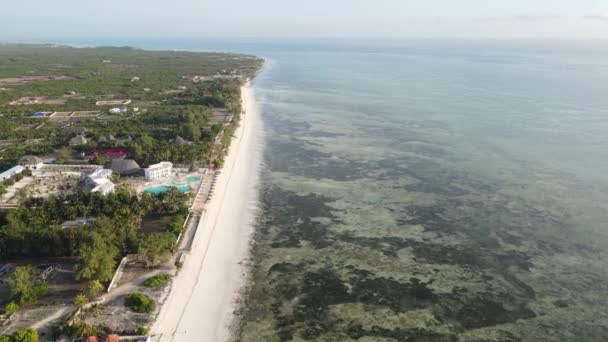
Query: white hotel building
[160, 170]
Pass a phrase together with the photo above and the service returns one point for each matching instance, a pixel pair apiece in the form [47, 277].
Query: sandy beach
[203, 296]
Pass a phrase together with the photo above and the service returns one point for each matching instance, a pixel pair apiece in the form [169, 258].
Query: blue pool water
[182, 186]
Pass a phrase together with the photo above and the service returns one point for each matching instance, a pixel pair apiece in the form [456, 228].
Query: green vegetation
[142, 330]
[182, 106]
[139, 302]
[155, 247]
[170, 104]
[10, 308]
[26, 335]
[80, 300]
[24, 285]
[94, 288]
[157, 280]
[114, 233]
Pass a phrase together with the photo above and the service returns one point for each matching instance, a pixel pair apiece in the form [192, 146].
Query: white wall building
[160, 170]
[99, 181]
[13, 171]
[31, 162]
[103, 186]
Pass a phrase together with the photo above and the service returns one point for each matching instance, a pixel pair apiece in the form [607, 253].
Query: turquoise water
[429, 190]
[163, 188]
[193, 179]
[182, 186]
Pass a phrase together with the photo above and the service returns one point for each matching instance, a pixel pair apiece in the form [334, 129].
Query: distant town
[107, 156]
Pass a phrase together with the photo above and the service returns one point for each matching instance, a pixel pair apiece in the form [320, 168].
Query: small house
[78, 140]
[180, 141]
[31, 162]
[107, 138]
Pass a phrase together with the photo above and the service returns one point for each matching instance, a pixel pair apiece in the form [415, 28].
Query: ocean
[429, 190]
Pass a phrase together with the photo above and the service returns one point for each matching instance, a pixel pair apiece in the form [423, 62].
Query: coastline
[203, 297]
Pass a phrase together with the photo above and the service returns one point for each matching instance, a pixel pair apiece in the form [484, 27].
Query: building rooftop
[123, 166]
[30, 160]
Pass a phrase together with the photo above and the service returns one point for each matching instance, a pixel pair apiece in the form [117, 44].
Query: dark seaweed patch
[398, 296]
[356, 331]
[292, 213]
[473, 311]
[293, 155]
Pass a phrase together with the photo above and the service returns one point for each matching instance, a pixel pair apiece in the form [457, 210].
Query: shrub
[179, 265]
[5, 338]
[26, 335]
[139, 302]
[94, 288]
[142, 330]
[157, 280]
[11, 308]
[80, 300]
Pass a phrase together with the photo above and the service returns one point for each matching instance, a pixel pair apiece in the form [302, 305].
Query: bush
[5, 338]
[11, 308]
[26, 335]
[157, 280]
[142, 330]
[179, 265]
[80, 300]
[139, 302]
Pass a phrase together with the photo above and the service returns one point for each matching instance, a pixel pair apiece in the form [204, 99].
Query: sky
[556, 19]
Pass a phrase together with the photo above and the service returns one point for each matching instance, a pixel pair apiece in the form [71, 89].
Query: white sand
[201, 304]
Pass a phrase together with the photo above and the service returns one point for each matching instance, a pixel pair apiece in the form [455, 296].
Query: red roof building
[108, 154]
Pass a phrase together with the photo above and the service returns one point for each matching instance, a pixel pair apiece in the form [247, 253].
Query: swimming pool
[182, 186]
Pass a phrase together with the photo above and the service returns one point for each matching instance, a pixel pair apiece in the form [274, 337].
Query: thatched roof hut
[124, 167]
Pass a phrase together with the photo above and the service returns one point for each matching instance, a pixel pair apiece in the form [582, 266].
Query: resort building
[103, 186]
[31, 162]
[124, 167]
[78, 140]
[13, 171]
[77, 223]
[160, 170]
[113, 153]
[99, 181]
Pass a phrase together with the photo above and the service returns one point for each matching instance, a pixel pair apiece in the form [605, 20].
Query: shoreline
[203, 299]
